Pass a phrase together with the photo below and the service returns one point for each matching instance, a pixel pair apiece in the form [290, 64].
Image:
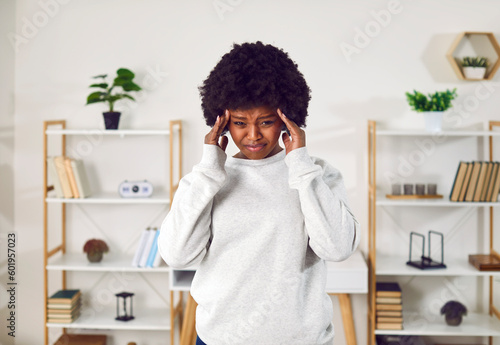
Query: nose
[253, 133]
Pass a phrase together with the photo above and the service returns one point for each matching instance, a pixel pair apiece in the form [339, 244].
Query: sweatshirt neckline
[258, 162]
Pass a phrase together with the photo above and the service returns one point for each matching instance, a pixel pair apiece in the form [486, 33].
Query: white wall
[7, 64]
[172, 46]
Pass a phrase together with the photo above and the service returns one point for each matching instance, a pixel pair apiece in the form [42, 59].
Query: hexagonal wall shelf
[475, 44]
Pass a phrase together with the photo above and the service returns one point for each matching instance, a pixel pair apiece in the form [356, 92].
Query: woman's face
[255, 132]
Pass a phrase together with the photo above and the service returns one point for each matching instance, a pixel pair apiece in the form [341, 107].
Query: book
[140, 247]
[392, 325]
[393, 313]
[70, 319]
[147, 248]
[387, 289]
[480, 181]
[469, 196]
[388, 300]
[389, 319]
[63, 176]
[81, 339]
[71, 177]
[399, 340]
[64, 296]
[61, 320]
[81, 179]
[62, 311]
[459, 181]
[494, 175]
[54, 177]
[496, 188]
[62, 306]
[63, 316]
[388, 307]
[158, 259]
[468, 174]
[486, 184]
[154, 250]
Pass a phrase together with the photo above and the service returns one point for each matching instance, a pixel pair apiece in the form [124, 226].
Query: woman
[260, 224]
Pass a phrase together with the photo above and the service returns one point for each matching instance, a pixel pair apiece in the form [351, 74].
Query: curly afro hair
[253, 75]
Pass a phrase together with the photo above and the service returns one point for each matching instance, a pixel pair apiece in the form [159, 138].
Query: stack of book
[476, 181]
[388, 306]
[68, 177]
[64, 306]
[147, 253]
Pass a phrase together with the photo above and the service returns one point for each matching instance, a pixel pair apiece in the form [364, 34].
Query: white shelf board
[109, 263]
[396, 266]
[145, 320]
[348, 276]
[473, 325]
[444, 202]
[112, 198]
[119, 132]
[449, 133]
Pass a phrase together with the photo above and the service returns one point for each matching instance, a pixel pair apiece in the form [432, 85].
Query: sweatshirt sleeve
[330, 225]
[185, 232]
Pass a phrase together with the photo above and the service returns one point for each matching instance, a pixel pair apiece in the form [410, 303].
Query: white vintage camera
[135, 189]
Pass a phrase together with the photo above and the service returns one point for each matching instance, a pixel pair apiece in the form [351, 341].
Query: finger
[223, 142]
[286, 139]
[225, 120]
[214, 133]
[290, 124]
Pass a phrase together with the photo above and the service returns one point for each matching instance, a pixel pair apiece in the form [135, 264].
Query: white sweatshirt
[260, 231]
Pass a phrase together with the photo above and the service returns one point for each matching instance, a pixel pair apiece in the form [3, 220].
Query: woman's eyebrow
[258, 118]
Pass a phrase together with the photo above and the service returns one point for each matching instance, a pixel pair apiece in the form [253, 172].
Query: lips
[255, 148]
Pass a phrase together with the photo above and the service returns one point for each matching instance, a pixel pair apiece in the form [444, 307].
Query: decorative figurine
[95, 249]
[426, 262]
[453, 311]
[126, 315]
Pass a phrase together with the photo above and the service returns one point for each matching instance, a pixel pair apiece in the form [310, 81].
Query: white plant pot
[474, 72]
[433, 120]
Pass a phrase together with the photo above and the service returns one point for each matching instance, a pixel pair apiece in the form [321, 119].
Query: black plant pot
[453, 320]
[111, 119]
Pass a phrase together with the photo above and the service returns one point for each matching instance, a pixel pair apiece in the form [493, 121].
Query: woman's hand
[298, 136]
[212, 138]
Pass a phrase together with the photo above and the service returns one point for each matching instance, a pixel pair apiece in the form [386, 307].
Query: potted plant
[432, 106]
[474, 67]
[124, 81]
[95, 249]
[453, 312]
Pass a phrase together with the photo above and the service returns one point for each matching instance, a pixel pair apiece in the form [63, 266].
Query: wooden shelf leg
[188, 334]
[346, 310]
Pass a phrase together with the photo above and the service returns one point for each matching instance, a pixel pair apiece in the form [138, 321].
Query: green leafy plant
[124, 81]
[438, 101]
[477, 61]
[95, 249]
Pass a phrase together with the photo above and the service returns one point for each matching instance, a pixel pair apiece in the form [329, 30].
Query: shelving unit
[493, 56]
[59, 260]
[386, 265]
